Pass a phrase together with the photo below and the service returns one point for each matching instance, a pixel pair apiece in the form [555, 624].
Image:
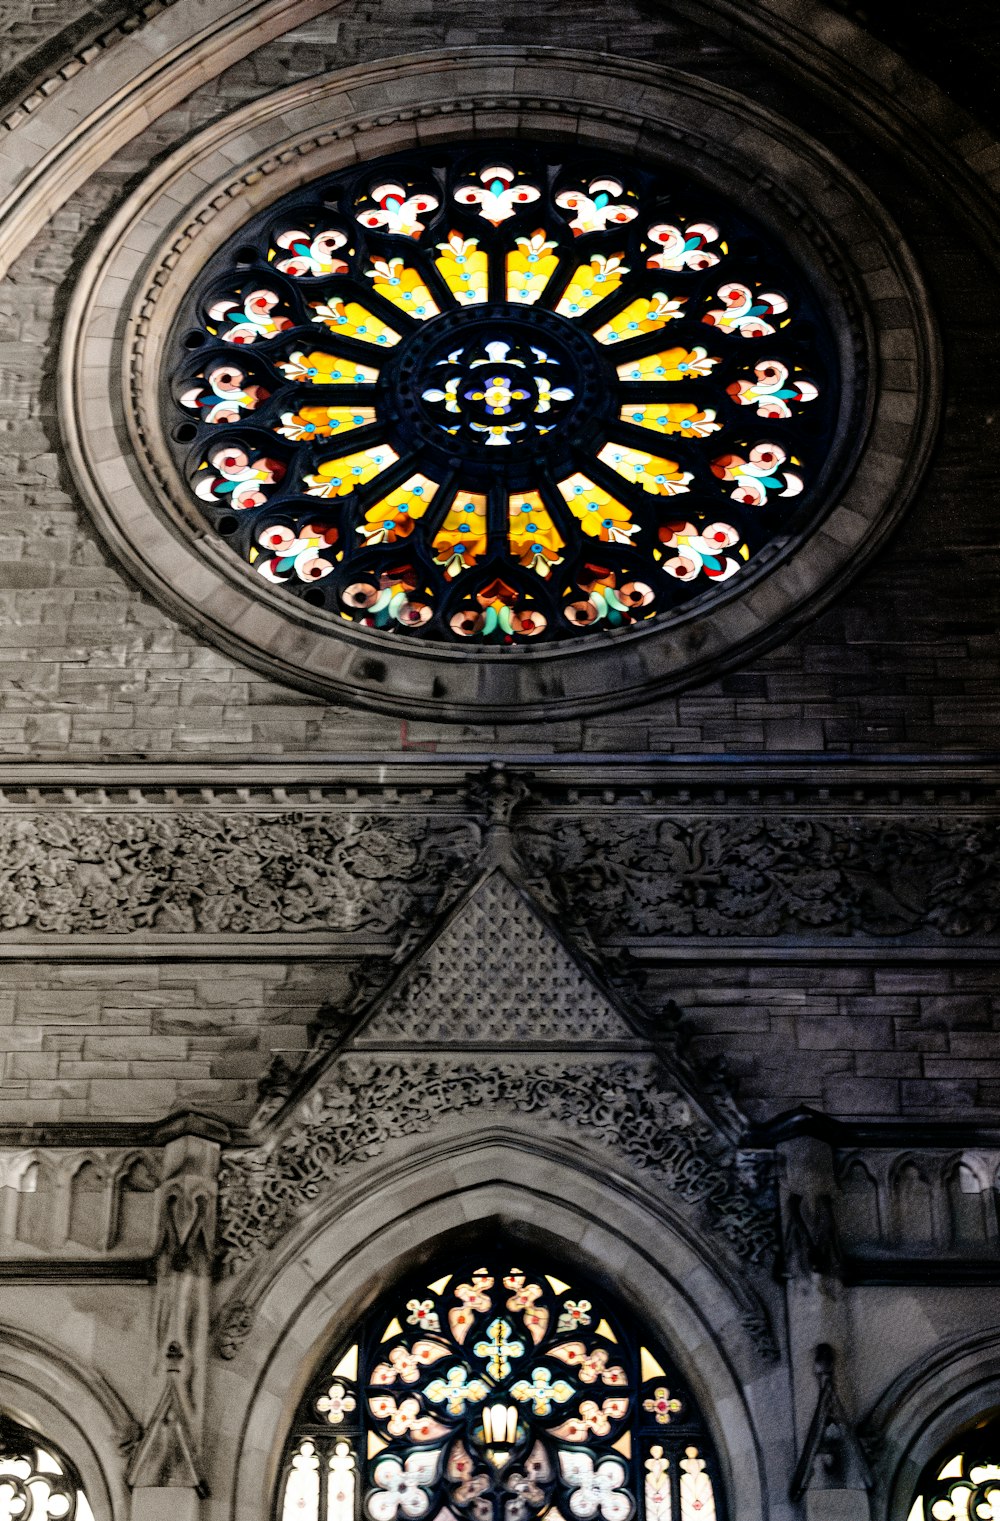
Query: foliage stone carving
[759, 875]
[214, 872]
[367, 1103]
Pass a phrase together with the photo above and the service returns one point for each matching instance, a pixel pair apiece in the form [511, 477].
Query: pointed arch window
[498, 1388]
[962, 1483]
[36, 1482]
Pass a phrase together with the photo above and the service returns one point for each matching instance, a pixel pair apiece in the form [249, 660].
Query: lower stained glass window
[963, 1481]
[36, 1484]
[496, 1389]
[485, 394]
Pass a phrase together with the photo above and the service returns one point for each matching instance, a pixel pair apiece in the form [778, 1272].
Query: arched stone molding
[51, 151]
[76, 1410]
[925, 1407]
[91, 105]
[119, 324]
[862, 78]
[354, 1254]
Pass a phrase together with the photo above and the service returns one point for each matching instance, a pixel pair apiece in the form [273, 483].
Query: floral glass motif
[963, 1482]
[498, 1390]
[36, 1483]
[448, 395]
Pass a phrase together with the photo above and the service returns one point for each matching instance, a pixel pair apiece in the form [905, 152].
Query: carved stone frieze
[365, 1103]
[770, 874]
[216, 871]
[664, 858]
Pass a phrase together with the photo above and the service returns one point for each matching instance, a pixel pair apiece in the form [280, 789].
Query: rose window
[493, 1390]
[487, 396]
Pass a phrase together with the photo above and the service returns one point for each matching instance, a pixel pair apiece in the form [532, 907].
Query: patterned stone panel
[496, 973]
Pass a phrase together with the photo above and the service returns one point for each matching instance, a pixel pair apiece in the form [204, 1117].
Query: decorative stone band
[322, 865]
[189, 206]
[366, 1103]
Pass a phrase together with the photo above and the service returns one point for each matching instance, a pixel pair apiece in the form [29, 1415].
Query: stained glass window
[498, 1388]
[37, 1484]
[493, 395]
[963, 1482]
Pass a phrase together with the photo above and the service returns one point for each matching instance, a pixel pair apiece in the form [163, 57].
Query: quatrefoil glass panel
[492, 395]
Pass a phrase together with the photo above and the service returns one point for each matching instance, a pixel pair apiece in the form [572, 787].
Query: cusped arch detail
[317, 1294]
[44, 1390]
[941, 1394]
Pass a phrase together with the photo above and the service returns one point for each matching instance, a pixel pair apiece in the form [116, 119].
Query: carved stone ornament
[759, 875]
[274, 146]
[495, 975]
[831, 1456]
[218, 871]
[306, 860]
[366, 1103]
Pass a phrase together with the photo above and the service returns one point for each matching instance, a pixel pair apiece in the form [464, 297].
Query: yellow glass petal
[953, 1468]
[393, 517]
[534, 538]
[661, 477]
[440, 1284]
[648, 1366]
[556, 1284]
[530, 267]
[339, 477]
[461, 540]
[644, 315]
[392, 1329]
[590, 283]
[403, 286]
[624, 1444]
[680, 417]
[603, 1329]
[601, 515]
[375, 1444]
[348, 1365]
[668, 364]
[917, 1510]
[324, 422]
[464, 268]
[351, 320]
[319, 369]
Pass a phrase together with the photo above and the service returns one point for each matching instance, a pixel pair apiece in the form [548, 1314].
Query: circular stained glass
[486, 395]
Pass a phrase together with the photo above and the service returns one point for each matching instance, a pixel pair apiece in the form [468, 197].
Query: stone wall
[903, 663]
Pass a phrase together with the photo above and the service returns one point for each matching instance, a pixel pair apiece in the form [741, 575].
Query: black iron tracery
[486, 396]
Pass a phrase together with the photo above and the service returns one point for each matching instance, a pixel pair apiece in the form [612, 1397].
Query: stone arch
[931, 1401]
[42, 1389]
[912, 1202]
[133, 1203]
[89, 102]
[971, 1206]
[87, 1217]
[366, 1242]
[862, 1202]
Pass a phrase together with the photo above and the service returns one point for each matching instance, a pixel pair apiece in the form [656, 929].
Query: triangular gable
[496, 974]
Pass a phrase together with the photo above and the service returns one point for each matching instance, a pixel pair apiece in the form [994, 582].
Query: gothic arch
[366, 1245]
[43, 1389]
[89, 103]
[933, 1399]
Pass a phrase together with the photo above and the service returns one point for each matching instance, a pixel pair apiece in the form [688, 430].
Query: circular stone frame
[130, 290]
